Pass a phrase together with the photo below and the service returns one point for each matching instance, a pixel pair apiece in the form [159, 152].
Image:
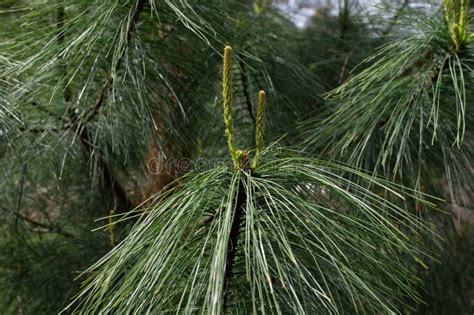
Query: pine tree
[283, 235]
[123, 191]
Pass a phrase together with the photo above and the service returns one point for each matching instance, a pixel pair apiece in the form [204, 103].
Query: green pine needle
[310, 242]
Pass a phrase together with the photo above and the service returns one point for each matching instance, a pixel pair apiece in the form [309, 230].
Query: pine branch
[232, 245]
[122, 201]
[298, 231]
[110, 80]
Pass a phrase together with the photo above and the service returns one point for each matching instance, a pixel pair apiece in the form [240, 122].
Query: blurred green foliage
[449, 283]
[162, 80]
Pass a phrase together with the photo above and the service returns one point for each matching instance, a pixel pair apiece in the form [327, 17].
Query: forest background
[100, 112]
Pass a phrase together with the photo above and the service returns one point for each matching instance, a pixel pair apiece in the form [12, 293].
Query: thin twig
[49, 228]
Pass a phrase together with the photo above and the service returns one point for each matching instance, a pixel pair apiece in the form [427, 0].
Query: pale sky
[301, 10]
[300, 13]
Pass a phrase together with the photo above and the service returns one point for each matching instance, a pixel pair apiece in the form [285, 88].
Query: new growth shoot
[260, 128]
[227, 96]
[457, 16]
[239, 157]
